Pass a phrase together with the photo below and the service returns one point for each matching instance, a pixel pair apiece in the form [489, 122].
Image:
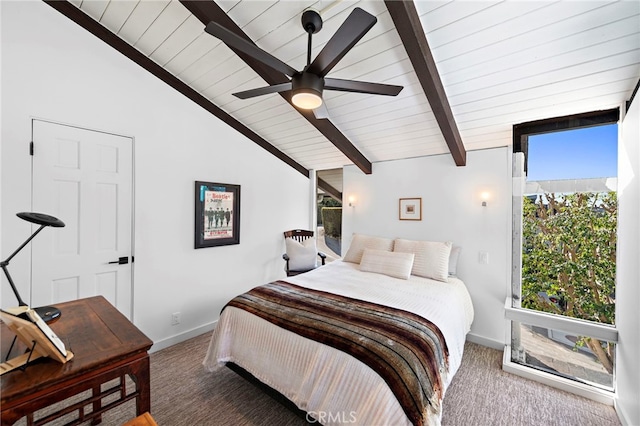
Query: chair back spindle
[299, 235]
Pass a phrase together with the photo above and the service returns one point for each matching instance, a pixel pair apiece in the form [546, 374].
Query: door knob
[121, 260]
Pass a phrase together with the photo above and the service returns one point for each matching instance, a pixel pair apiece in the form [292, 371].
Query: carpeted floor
[481, 393]
[183, 393]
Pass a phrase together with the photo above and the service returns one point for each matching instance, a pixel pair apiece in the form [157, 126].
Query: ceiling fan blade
[276, 88]
[361, 87]
[233, 40]
[357, 24]
[321, 112]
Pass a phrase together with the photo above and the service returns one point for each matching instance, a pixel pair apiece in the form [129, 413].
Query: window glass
[566, 355]
[585, 153]
[570, 223]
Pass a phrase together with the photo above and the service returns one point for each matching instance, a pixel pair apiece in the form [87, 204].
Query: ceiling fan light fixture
[307, 90]
[306, 99]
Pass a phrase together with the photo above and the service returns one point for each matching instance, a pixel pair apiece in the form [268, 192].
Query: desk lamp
[47, 313]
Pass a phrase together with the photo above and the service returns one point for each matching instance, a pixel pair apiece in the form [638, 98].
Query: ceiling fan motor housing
[307, 80]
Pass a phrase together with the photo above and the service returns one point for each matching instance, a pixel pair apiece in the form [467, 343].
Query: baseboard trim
[483, 341]
[586, 391]
[624, 419]
[170, 341]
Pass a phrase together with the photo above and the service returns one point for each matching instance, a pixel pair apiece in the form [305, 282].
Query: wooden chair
[299, 235]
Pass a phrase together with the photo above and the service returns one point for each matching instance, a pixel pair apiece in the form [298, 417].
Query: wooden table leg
[97, 405]
[142, 378]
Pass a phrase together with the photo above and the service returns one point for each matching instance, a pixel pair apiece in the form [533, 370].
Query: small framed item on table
[36, 335]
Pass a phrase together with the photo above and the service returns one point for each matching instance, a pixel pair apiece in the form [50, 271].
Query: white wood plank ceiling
[501, 63]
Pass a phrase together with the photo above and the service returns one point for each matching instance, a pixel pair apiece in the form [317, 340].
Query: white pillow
[432, 258]
[396, 265]
[453, 261]
[302, 257]
[360, 242]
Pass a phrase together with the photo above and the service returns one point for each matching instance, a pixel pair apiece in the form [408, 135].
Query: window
[564, 252]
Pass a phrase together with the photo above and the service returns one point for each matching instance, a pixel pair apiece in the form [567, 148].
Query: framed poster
[217, 214]
[410, 209]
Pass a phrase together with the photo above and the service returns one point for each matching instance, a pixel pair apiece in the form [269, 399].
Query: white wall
[451, 211]
[628, 268]
[53, 69]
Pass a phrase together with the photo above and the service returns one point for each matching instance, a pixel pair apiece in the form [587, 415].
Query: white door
[83, 178]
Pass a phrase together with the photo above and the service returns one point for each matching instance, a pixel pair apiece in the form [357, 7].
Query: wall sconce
[485, 195]
[352, 201]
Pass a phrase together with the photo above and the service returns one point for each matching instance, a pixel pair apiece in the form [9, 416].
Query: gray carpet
[183, 393]
[481, 393]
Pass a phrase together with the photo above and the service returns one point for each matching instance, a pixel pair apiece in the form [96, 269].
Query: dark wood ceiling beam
[407, 22]
[326, 187]
[86, 22]
[207, 11]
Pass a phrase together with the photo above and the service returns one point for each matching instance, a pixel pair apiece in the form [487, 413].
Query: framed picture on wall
[410, 209]
[217, 214]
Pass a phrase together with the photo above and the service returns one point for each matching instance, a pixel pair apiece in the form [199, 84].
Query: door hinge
[31, 148]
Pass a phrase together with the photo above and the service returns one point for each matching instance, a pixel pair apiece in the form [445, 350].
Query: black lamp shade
[41, 219]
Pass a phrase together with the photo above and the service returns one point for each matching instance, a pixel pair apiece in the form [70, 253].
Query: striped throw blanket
[406, 350]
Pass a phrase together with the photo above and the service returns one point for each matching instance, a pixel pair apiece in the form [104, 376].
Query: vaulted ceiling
[470, 69]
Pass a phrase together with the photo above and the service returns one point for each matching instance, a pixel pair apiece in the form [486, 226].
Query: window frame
[514, 313]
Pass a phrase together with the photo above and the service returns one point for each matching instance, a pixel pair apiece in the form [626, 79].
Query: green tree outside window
[569, 255]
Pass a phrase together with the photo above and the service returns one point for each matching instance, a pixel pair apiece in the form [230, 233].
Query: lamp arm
[5, 263]
[13, 286]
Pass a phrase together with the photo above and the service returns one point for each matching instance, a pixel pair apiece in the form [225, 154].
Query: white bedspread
[332, 386]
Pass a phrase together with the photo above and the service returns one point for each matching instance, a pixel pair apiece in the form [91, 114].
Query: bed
[337, 382]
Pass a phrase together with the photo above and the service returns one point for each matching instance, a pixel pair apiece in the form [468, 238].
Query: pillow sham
[360, 242]
[302, 256]
[431, 257]
[393, 264]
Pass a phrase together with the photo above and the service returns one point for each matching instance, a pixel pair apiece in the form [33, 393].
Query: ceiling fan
[307, 85]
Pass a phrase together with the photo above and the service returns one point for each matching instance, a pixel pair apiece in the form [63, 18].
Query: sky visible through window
[585, 153]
